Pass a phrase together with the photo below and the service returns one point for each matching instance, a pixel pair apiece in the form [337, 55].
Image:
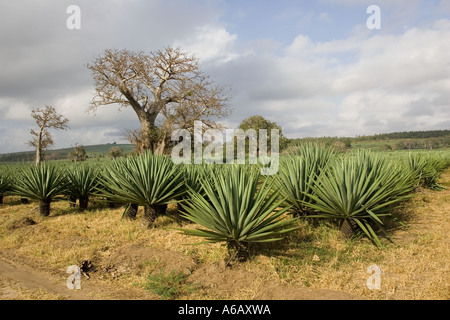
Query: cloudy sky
[314, 67]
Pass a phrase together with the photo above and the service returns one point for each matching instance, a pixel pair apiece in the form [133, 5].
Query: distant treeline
[405, 135]
[96, 151]
[18, 157]
[30, 156]
[436, 139]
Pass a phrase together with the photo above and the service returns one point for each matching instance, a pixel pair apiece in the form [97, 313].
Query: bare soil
[19, 277]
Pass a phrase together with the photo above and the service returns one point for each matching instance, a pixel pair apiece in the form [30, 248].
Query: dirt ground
[20, 280]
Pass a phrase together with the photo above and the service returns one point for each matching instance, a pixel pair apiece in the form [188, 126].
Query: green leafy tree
[258, 122]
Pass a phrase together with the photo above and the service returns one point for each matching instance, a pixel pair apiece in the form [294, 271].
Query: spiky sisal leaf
[427, 167]
[83, 180]
[43, 182]
[6, 183]
[195, 175]
[145, 180]
[361, 188]
[235, 209]
[298, 171]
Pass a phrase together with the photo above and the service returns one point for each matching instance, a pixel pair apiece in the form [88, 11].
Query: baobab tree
[46, 118]
[167, 84]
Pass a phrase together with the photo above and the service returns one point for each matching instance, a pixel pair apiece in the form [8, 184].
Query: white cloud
[14, 110]
[324, 17]
[353, 86]
[211, 44]
[44, 63]
[362, 82]
[75, 107]
[387, 3]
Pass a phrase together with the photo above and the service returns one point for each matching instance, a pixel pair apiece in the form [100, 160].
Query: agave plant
[297, 173]
[5, 185]
[295, 177]
[235, 210]
[146, 180]
[44, 183]
[102, 190]
[194, 175]
[83, 182]
[359, 191]
[314, 152]
[427, 168]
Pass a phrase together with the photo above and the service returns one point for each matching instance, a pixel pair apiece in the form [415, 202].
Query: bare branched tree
[135, 137]
[166, 83]
[46, 140]
[46, 118]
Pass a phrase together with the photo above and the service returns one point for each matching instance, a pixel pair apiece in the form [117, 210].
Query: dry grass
[415, 266]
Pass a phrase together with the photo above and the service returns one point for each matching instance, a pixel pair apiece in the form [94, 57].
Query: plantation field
[395, 203]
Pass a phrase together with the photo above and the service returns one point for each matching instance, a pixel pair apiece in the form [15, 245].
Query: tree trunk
[84, 203]
[39, 147]
[149, 215]
[149, 131]
[131, 211]
[160, 145]
[146, 134]
[44, 208]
